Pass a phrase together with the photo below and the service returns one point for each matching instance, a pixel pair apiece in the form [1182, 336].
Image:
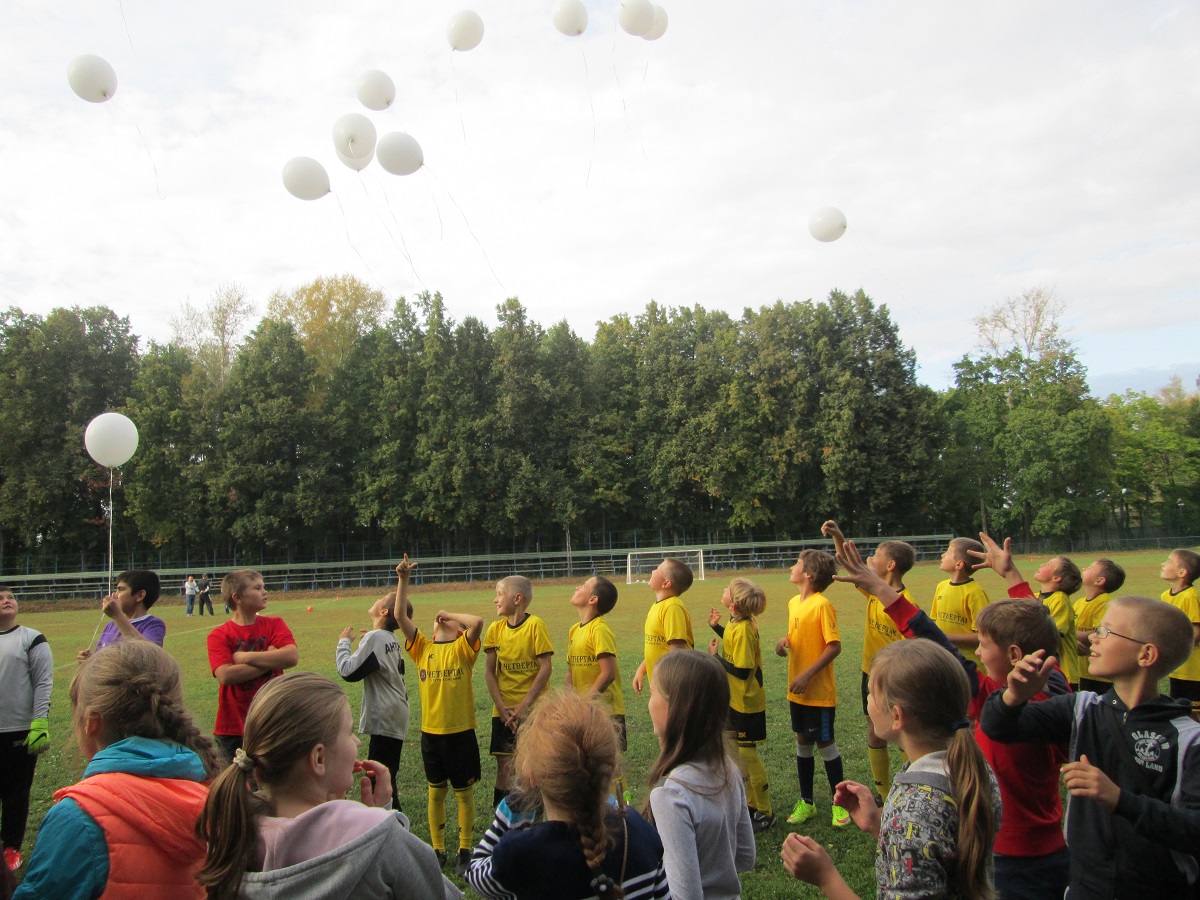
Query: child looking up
[1059, 578]
[129, 608]
[1100, 579]
[518, 652]
[741, 657]
[566, 762]
[668, 622]
[811, 644]
[697, 801]
[1181, 569]
[937, 826]
[958, 599]
[128, 828]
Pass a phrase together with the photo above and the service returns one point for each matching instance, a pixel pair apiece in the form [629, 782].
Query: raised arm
[831, 530]
[472, 625]
[999, 559]
[400, 602]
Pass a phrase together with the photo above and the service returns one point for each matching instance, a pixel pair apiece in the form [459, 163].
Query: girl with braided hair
[128, 828]
[588, 846]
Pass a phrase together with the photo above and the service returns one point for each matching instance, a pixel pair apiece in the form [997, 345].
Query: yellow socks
[758, 793]
[466, 816]
[881, 769]
[437, 816]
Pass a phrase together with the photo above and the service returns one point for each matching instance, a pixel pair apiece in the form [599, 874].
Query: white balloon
[92, 78]
[659, 28]
[399, 153]
[357, 163]
[305, 178]
[827, 224]
[111, 439]
[375, 89]
[636, 16]
[465, 30]
[570, 17]
[354, 135]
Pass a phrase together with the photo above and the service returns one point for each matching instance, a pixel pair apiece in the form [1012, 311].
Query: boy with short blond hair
[811, 644]
[1181, 569]
[1058, 578]
[1101, 579]
[668, 622]
[519, 651]
[958, 600]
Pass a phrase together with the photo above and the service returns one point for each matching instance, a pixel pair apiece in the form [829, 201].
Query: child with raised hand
[566, 762]
[276, 820]
[697, 800]
[738, 649]
[129, 608]
[936, 828]
[128, 828]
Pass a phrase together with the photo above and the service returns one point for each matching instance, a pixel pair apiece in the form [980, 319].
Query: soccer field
[317, 632]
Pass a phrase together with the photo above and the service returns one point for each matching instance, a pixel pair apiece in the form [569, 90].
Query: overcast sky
[976, 149]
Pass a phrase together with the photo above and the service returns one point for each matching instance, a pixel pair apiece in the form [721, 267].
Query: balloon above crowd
[92, 78]
[827, 224]
[305, 178]
[375, 90]
[465, 30]
[570, 17]
[111, 439]
[399, 153]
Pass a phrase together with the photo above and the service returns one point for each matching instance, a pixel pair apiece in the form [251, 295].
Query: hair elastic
[243, 760]
[961, 723]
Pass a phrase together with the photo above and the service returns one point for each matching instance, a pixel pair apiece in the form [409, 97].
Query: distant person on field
[1058, 578]
[668, 623]
[959, 599]
[811, 644]
[203, 589]
[26, 680]
[519, 652]
[129, 608]
[1181, 569]
[1101, 579]
[245, 653]
[189, 593]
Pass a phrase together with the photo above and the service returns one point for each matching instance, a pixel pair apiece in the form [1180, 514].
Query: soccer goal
[640, 564]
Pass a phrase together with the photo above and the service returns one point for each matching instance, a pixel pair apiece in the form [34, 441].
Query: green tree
[330, 316]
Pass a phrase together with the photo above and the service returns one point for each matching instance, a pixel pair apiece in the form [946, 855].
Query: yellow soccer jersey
[586, 643]
[954, 609]
[1064, 620]
[668, 620]
[444, 679]
[1088, 614]
[812, 625]
[881, 630]
[517, 651]
[741, 648]
[1188, 602]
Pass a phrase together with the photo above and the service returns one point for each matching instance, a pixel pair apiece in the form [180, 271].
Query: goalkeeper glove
[38, 739]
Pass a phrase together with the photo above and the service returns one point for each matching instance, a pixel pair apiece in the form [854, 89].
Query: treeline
[338, 421]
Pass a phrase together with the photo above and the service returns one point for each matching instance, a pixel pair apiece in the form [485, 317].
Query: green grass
[316, 634]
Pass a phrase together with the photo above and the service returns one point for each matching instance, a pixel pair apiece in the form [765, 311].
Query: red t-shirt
[233, 700]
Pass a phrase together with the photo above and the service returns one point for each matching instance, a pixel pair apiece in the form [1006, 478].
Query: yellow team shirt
[881, 630]
[812, 625]
[955, 607]
[1088, 615]
[1063, 615]
[1188, 602]
[517, 650]
[668, 620]
[740, 647]
[444, 679]
[586, 643]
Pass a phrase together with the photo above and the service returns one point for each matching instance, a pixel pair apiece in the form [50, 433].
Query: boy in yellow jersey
[741, 657]
[811, 645]
[958, 600]
[449, 748]
[668, 623]
[1181, 569]
[891, 561]
[518, 652]
[1058, 579]
[1100, 579]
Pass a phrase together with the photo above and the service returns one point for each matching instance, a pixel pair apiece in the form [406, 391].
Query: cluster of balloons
[92, 78]
[640, 18]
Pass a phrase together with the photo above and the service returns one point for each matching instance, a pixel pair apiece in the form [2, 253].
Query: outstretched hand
[1028, 677]
[995, 557]
[859, 574]
[404, 568]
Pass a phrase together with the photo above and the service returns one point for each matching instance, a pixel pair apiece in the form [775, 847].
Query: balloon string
[400, 231]
[145, 146]
[110, 529]
[375, 210]
[620, 88]
[469, 229]
[587, 83]
[462, 123]
[121, 7]
[346, 225]
[437, 209]
[871, 262]
[641, 97]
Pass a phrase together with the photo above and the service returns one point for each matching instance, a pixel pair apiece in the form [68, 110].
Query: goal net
[640, 564]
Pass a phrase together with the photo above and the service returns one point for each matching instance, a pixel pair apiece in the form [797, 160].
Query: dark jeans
[16, 778]
[206, 600]
[191, 603]
[1033, 877]
[387, 750]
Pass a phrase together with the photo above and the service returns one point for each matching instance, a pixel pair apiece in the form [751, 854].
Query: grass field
[69, 631]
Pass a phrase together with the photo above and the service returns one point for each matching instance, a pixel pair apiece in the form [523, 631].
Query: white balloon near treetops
[827, 224]
[375, 89]
[465, 30]
[399, 153]
[305, 178]
[92, 78]
[636, 16]
[354, 135]
[570, 17]
[659, 28]
[111, 439]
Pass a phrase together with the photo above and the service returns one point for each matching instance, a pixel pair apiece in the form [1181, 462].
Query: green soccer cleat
[803, 812]
[841, 818]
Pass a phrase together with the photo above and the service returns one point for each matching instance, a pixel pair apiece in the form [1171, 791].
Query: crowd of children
[991, 703]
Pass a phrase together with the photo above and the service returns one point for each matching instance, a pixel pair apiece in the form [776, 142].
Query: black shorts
[865, 692]
[1185, 689]
[814, 722]
[747, 728]
[504, 739]
[451, 757]
[619, 724]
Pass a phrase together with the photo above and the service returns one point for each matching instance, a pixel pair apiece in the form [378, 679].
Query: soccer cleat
[12, 858]
[841, 818]
[464, 860]
[761, 821]
[802, 813]
[441, 857]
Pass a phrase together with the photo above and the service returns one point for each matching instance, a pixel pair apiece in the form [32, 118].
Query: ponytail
[228, 826]
[971, 784]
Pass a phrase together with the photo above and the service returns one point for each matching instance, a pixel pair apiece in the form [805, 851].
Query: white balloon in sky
[375, 89]
[659, 28]
[636, 16]
[354, 135]
[399, 153]
[465, 30]
[111, 439]
[92, 78]
[305, 178]
[827, 224]
[570, 17]
[357, 163]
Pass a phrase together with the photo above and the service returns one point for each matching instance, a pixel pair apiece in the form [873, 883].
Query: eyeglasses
[1103, 631]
